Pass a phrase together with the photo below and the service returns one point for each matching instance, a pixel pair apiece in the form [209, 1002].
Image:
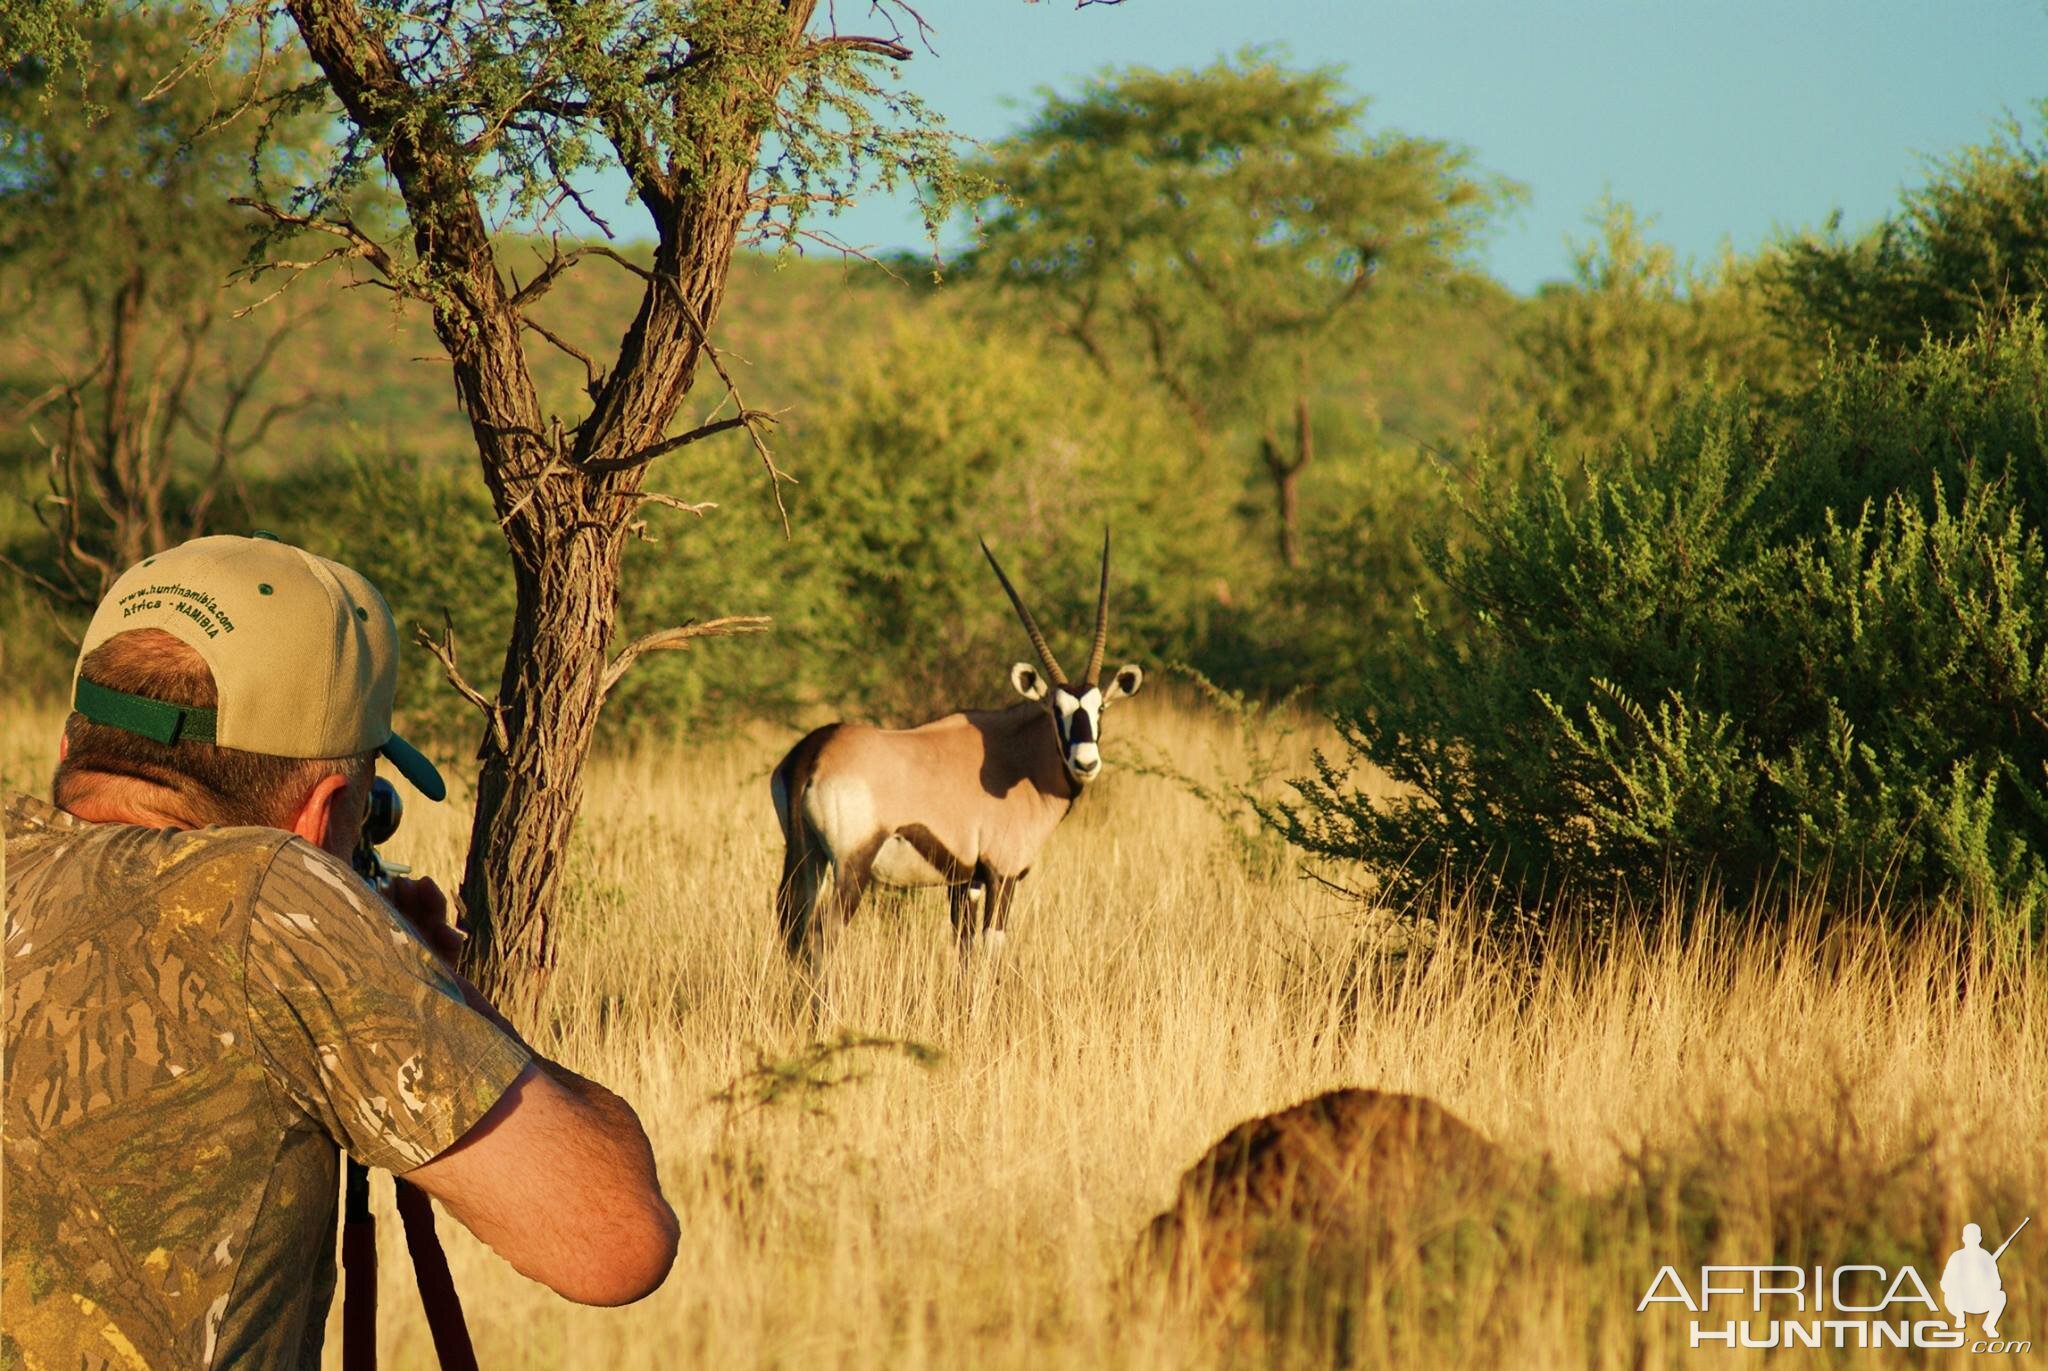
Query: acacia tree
[729, 119]
[1228, 235]
[117, 237]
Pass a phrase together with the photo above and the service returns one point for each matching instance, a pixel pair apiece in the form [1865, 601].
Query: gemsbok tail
[804, 858]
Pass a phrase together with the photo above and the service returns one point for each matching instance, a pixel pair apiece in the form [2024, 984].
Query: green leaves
[1681, 666]
[112, 168]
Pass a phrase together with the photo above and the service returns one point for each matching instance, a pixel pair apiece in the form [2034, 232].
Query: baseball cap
[303, 651]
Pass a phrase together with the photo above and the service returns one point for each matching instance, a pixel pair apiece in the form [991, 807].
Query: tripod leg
[359, 1268]
[437, 1287]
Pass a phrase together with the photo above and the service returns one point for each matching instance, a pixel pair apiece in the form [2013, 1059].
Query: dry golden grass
[979, 1212]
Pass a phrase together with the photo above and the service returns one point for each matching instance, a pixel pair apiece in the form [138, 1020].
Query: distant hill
[375, 380]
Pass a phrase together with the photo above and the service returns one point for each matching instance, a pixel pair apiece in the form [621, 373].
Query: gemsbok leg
[1002, 891]
[963, 902]
[829, 918]
[980, 906]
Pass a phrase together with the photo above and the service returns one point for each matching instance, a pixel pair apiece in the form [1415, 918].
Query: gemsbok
[965, 801]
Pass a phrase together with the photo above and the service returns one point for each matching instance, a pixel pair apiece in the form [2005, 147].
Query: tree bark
[531, 782]
[125, 471]
[1286, 474]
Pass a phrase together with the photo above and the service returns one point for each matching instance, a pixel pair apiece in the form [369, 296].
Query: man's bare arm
[559, 1180]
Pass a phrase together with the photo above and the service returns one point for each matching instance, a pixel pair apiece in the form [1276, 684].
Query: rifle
[358, 1225]
[2008, 1239]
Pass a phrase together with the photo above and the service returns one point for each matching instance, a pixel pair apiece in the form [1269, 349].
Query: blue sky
[1721, 119]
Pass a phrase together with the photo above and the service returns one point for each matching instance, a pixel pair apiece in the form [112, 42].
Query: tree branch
[655, 497]
[443, 650]
[593, 376]
[612, 254]
[638, 527]
[670, 639]
[746, 418]
[54, 593]
[776, 475]
[880, 47]
[360, 244]
[551, 270]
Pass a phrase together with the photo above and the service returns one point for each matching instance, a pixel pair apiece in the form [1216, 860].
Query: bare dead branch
[32, 407]
[593, 375]
[54, 593]
[746, 418]
[637, 527]
[227, 443]
[73, 474]
[297, 270]
[555, 467]
[558, 262]
[670, 639]
[880, 47]
[776, 475]
[762, 201]
[613, 255]
[443, 650]
[653, 497]
[888, 11]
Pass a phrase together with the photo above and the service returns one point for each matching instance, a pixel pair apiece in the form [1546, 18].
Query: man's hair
[214, 784]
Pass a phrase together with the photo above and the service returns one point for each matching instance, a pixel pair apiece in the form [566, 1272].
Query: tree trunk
[566, 584]
[565, 496]
[122, 462]
[531, 784]
[1286, 474]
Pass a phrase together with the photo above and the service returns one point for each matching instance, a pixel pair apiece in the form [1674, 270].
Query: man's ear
[322, 819]
[1126, 682]
[64, 745]
[1029, 683]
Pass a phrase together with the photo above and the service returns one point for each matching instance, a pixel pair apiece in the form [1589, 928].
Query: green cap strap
[167, 723]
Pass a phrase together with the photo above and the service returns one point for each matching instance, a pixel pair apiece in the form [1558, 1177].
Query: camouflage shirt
[194, 1021]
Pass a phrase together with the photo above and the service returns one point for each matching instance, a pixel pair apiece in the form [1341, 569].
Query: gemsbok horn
[965, 801]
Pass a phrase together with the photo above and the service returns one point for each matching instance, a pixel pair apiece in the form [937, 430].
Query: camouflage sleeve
[359, 1024]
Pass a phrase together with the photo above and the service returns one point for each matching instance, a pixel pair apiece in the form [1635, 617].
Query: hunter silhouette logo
[1851, 1306]
[1970, 1284]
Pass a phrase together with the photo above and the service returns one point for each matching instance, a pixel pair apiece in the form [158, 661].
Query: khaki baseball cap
[304, 653]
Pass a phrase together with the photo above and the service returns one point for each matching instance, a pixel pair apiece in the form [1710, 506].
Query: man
[203, 1002]
[1970, 1284]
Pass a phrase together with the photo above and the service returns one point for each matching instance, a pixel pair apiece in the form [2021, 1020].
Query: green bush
[1808, 648]
[1606, 357]
[1970, 244]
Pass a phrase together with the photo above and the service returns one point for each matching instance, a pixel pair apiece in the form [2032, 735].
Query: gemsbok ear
[1126, 682]
[1029, 683]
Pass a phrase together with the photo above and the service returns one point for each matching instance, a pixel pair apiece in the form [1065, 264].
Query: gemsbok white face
[1077, 713]
[965, 801]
